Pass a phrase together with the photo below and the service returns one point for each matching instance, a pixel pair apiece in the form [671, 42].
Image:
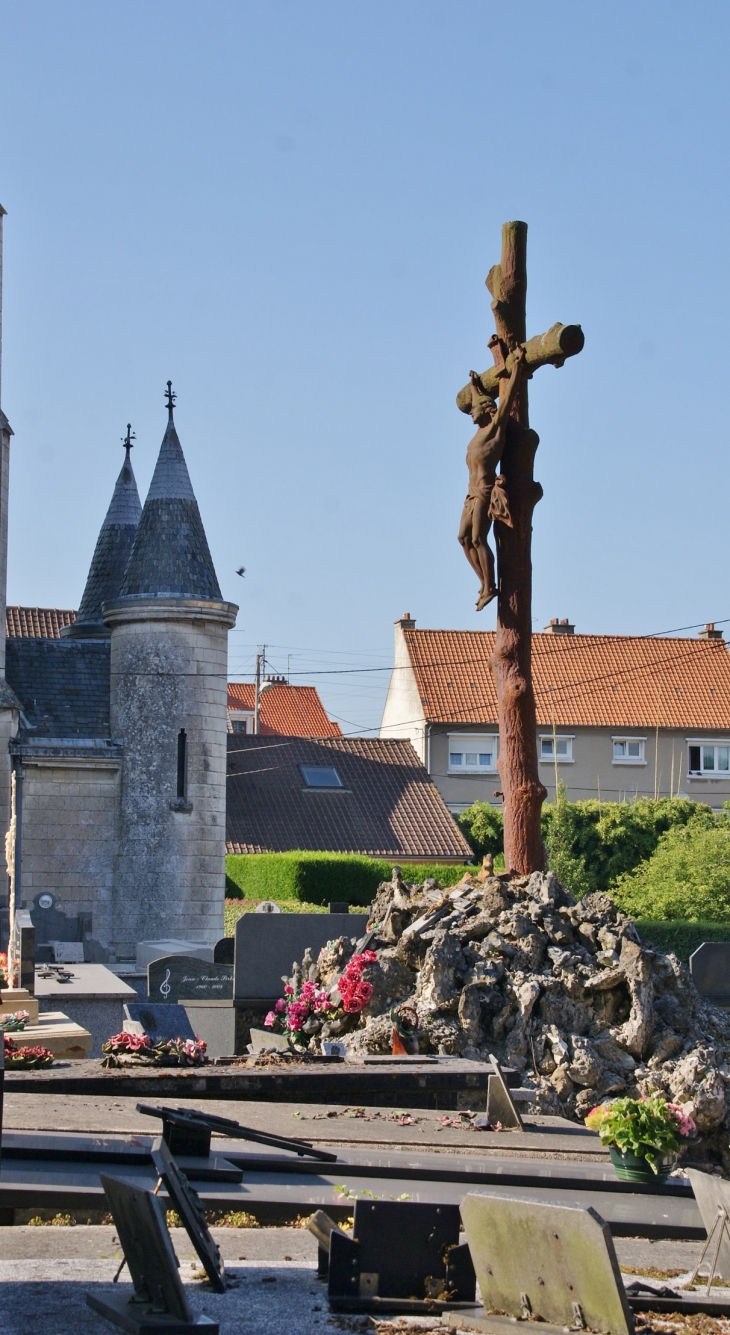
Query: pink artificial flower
[270, 1019]
[685, 1124]
[280, 1005]
[288, 990]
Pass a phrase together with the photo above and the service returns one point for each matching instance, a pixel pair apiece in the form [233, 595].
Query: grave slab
[159, 1022]
[93, 997]
[268, 944]
[147, 951]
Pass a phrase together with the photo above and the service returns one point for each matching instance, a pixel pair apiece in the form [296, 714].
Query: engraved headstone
[160, 1023]
[184, 978]
[710, 969]
[189, 1206]
[267, 906]
[266, 947]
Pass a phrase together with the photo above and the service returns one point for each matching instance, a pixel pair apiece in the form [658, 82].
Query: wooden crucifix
[504, 438]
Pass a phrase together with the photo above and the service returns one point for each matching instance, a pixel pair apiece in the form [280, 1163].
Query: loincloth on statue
[495, 495]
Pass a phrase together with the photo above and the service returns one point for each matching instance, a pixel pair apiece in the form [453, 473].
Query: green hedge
[681, 937]
[319, 878]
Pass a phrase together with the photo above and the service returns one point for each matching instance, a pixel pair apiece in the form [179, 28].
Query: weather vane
[171, 396]
[129, 439]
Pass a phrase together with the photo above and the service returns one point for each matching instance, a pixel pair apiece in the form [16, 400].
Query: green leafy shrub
[680, 937]
[688, 876]
[319, 878]
[483, 828]
[592, 844]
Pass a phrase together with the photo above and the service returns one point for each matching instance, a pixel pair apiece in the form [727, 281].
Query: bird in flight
[241, 570]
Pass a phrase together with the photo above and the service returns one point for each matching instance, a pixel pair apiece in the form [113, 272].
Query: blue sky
[290, 209]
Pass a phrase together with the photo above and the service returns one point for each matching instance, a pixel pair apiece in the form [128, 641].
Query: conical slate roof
[170, 556]
[111, 554]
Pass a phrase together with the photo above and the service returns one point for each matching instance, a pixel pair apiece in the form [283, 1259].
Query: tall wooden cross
[522, 791]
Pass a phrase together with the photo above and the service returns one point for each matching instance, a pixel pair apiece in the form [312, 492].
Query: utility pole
[260, 666]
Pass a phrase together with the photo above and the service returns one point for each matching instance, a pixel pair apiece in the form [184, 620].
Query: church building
[114, 787]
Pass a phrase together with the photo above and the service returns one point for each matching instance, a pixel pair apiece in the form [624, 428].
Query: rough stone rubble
[564, 991]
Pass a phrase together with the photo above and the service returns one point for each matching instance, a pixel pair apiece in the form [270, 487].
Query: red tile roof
[295, 711]
[618, 681]
[38, 623]
[387, 806]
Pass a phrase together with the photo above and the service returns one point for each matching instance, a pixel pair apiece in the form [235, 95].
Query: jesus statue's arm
[507, 398]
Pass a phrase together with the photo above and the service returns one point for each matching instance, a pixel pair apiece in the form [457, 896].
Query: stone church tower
[168, 680]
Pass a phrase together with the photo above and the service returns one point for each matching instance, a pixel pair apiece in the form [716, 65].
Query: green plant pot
[635, 1168]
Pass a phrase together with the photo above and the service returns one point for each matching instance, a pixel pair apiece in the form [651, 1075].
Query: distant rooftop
[44, 623]
[296, 711]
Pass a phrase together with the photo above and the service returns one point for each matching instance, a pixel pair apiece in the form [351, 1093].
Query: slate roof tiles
[387, 806]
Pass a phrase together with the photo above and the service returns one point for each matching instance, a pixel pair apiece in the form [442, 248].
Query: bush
[483, 828]
[681, 937]
[592, 844]
[320, 878]
[687, 878]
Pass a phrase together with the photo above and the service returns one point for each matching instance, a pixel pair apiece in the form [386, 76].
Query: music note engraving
[165, 985]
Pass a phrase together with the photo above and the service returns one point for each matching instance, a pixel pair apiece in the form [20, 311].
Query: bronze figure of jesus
[486, 498]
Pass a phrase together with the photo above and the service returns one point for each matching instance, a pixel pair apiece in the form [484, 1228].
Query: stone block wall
[69, 834]
[169, 662]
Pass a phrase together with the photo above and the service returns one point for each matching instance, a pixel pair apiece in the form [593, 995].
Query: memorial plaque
[160, 1023]
[267, 946]
[160, 1302]
[553, 1263]
[188, 1204]
[184, 978]
[710, 969]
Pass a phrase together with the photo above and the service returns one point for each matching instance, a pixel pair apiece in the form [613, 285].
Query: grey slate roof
[62, 685]
[111, 555]
[387, 806]
[170, 555]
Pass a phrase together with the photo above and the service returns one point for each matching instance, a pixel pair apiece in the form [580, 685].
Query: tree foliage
[687, 878]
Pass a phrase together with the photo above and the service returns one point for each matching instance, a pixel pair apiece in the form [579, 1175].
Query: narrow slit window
[182, 764]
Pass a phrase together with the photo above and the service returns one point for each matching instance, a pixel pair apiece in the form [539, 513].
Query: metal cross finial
[129, 439]
[171, 396]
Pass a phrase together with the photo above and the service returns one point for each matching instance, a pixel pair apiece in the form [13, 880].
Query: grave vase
[635, 1168]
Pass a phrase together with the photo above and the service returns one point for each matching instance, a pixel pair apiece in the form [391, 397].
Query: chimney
[559, 627]
[406, 623]
[709, 632]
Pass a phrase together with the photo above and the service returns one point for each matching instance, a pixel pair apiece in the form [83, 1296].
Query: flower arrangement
[3, 970]
[27, 1059]
[138, 1049]
[14, 1023]
[302, 1010]
[647, 1128]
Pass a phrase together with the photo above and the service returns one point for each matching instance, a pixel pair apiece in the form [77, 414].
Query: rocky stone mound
[564, 991]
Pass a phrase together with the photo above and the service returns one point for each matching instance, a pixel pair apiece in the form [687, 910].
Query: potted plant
[644, 1136]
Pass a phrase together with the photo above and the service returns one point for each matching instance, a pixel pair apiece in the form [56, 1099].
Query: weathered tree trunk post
[522, 792]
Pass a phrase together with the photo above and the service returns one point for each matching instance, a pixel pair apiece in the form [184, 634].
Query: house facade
[619, 716]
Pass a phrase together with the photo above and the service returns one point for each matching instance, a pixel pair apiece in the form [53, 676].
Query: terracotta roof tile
[37, 622]
[618, 681]
[296, 711]
[387, 806]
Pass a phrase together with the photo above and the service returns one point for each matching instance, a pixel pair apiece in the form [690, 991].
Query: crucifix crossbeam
[504, 440]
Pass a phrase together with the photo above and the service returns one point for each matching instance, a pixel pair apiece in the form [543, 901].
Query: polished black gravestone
[268, 944]
[189, 1206]
[223, 950]
[710, 969]
[160, 1023]
[159, 1302]
[184, 978]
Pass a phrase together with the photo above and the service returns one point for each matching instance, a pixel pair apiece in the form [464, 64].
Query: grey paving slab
[272, 1246]
[49, 1296]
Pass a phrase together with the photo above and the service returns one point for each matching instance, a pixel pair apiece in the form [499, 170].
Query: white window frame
[241, 716]
[551, 737]
[721, 775]
[474, 742]
[629, 760]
